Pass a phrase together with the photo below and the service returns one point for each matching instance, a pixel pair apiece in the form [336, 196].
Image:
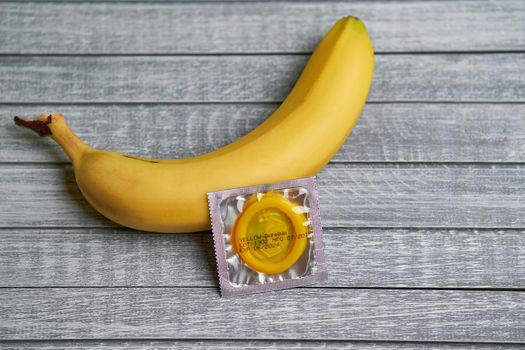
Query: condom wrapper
[267, 237]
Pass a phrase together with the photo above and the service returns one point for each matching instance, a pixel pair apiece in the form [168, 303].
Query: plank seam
[198, 1]
[481, 164]
[233, 103]
[247, 102]
[254, 53]
[385, 288]
[125, 230]
[329, 340]
[334, 164]
[386, 228]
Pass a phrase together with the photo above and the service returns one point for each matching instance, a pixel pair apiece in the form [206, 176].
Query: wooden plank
[386, 258]
[257, 27]
[350, 196]
[386, 132]
[404, 77]
[197, 313]
[244, 344]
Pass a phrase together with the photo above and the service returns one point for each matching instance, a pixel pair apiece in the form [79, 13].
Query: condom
[270, 234]
[267, 237]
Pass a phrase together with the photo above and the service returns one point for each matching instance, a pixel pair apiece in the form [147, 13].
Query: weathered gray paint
[306, 313]
[351, 195]
[257, 27]
[385, 132]
[246, 344]
[403, 77]
[356, 258]
[450, 51]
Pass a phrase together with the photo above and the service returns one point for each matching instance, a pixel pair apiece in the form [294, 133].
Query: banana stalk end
[39, 125]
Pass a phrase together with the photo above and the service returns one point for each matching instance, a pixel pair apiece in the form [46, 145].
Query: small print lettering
[265, 241]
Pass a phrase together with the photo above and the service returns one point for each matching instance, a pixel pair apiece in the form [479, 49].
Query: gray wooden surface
[252, 78]
[410, 258]
[351, 195]
[304, 313]
[250, 344]
[386, 132]
[423, 207]
[106, 28]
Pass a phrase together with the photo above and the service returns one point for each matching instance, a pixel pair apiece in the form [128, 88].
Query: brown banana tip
[39, 126]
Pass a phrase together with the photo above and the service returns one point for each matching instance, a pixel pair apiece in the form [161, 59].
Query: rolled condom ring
[270, 234]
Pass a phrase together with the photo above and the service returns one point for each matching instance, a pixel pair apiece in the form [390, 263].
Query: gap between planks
[307, 314]
[229, 344]
[236, 54]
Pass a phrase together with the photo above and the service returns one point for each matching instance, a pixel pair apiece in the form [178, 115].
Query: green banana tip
[355, 22]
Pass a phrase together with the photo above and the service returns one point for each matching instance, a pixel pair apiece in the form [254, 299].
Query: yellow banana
[297, 140]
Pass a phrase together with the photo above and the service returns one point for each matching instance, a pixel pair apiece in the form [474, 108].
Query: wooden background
[423, 207]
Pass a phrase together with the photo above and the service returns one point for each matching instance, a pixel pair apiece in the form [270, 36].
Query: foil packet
[267, 237]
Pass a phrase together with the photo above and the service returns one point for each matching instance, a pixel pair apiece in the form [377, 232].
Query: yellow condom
[270, 234]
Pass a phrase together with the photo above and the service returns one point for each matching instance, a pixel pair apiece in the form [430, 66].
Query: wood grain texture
[385, 132]
[404, 77]
[196, 313]
[257, 27]
[389, 258]
[245, 344]
[350, 196]
[419, 252]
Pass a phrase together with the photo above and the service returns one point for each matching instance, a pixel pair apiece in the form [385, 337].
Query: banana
[297, 140]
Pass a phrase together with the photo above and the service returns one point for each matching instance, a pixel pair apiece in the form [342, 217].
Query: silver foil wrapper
[237, 277]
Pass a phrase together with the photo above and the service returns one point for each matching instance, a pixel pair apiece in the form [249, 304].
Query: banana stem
[39, 126]
[54, 125]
